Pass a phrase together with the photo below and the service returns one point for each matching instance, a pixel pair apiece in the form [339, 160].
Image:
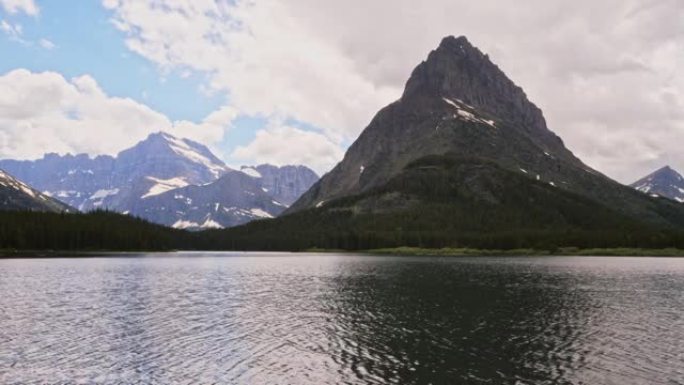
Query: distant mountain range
[666, 183]
[462, 158]
[167, 180]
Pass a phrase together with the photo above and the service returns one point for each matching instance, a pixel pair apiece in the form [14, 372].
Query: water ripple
[341, 319]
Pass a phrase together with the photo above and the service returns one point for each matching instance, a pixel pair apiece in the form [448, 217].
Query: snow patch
[644, 188]
[181, 224]
[260, 213]
[62, 193]
[467, 115]
[251, 172]
[182, 148]
[211, 224]
[101, 194]
[163, 185]
[10, 181]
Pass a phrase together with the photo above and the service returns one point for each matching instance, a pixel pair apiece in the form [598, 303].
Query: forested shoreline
[107, 231]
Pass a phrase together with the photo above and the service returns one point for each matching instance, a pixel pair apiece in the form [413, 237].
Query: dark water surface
[329, 319]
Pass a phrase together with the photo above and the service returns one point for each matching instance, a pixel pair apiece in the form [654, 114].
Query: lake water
[341, 319]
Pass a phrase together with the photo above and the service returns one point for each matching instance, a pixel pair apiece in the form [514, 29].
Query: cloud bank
[28, 7]
[606, 74]
[41, 112]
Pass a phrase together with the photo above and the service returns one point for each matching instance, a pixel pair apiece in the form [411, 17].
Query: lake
[259, 318]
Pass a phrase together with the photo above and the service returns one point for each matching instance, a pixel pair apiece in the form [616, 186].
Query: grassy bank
[567, 251]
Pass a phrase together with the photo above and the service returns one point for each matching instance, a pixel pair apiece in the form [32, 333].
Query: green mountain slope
[447, 201]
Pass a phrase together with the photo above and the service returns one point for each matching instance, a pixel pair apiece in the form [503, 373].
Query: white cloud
[44, 112]
[15, 6]
[47, 44]
[284, 145]
[13, 31]
[269, 62]
[602, 71]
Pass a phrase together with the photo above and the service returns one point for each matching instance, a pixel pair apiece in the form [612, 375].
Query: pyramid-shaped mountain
[462, 153]
[666, 183]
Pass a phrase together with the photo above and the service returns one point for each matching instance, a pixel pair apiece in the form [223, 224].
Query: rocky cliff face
[16, 195]
[460, 72]
[459, 103]
[234, 199]
[666, 183]
[285, 184]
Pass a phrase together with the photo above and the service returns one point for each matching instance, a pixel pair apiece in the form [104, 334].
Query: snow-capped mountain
[159, 163]
[144, 180]
[665, 182]
[285, 184]
[17, 195]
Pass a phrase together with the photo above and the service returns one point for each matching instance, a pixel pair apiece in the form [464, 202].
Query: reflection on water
[328, 319]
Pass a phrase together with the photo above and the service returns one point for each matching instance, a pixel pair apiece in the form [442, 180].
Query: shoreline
[561, 252]
[396, 251]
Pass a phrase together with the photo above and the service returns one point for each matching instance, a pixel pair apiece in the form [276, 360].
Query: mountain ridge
[132, 181]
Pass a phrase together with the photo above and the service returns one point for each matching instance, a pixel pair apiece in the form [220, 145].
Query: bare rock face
[285, 184]
[666, 183]
[458, 102]
[457, 70]
[234, 199]
[16, 195]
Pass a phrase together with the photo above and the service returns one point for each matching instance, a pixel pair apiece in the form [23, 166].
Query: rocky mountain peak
[459, 71]
[166, 156]
[668, 171]
[665, 182]
[667, 174]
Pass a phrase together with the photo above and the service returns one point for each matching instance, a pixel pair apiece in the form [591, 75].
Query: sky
[295, 82]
